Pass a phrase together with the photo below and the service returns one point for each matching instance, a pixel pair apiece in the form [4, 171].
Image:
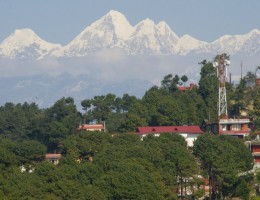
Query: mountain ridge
[113, 30]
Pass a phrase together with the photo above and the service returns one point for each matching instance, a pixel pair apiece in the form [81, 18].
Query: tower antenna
[221, 62]
[226, 126]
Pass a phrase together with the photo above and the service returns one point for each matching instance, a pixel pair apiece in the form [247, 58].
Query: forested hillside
[118, 165]
[95, 165]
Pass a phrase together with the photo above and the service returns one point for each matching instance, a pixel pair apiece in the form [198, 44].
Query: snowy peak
[25, 37]
[151, 38]
[145, 27]
[108, 32]
[21, 35]
[247, 44]
[164, 28]
[254, 32]
[122, 27]
[25, 42]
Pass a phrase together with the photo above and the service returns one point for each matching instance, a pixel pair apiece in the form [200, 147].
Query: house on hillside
[91, 127]
[239, 126]
[189, 133]
[53, 158]
[254, 147]
[185, 88]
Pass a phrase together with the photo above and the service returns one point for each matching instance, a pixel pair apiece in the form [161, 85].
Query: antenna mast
[221, 62]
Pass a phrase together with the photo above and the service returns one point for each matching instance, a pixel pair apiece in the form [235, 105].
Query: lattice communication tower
[221, 62]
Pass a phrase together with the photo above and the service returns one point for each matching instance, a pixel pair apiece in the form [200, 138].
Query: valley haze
[111, 56]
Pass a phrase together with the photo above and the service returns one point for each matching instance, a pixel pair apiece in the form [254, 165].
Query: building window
[236, 127]
[223, 127]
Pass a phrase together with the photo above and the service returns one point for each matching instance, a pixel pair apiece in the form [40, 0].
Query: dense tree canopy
[223, 158]
[119, 165]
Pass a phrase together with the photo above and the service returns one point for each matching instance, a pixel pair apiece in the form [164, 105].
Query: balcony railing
[234, 121]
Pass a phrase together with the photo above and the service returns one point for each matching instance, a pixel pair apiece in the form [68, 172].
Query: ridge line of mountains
[114, 31]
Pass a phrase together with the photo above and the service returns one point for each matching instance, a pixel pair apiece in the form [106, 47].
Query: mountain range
[111, 55]
[114, 31]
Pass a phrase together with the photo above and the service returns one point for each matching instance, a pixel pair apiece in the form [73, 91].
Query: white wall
[189, 138]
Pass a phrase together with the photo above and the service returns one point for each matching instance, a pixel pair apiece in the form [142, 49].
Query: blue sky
[59, 21]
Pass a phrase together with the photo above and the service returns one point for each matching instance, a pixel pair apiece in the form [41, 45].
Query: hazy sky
[59, 21]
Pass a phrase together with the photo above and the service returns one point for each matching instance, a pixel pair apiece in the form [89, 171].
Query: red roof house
[53, 157]
[185, 88]
[190, 133]
[169, 129]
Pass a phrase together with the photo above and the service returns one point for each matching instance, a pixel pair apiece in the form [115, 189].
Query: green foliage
[257, 103]
[130, 180]
[167, 82]
[178, 108]
[170, 83]
[17, 120]
[250, 79]
[255, 198]
[7, 158]
[131, 122]
[243, 190]
[28, 151]
[99, 108]
[223, 158]
[258, 177]
[60, 120]
[122, 167]
[184, 79]
[208, 88]
[119, 165]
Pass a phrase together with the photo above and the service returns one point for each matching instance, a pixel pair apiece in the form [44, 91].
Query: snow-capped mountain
[151, 38]
[24, 43]
[114, 31]
[187, 44]
[247, 44]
